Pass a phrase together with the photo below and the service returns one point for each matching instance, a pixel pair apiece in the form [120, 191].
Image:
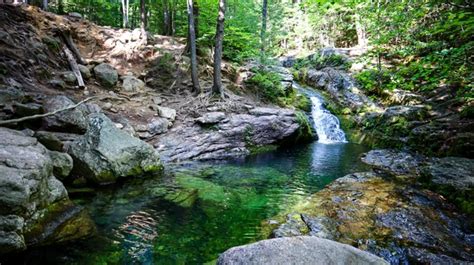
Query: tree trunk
[143, 18]
[187, 49]
[192, 46]
[125, 6]
[45, 5]
[217, 87]
[361, 33]
[264, 28]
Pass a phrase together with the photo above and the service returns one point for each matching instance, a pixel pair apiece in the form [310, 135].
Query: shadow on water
[199, 210]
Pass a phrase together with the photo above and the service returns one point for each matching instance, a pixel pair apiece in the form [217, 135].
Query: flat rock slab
[297, 250]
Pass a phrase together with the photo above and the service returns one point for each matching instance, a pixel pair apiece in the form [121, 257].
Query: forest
[236, 132]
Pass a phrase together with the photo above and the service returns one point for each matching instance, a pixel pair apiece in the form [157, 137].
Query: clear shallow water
[199, 210]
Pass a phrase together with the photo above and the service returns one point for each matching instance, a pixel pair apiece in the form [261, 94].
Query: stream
[198, 210]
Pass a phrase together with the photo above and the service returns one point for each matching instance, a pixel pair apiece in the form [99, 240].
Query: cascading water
[326, 125]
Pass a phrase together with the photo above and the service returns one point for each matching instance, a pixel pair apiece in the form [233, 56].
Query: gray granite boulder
[297, 250]
[106, 75]
[106, 153]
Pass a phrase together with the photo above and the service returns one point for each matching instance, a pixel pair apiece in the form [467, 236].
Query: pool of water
[199, 210]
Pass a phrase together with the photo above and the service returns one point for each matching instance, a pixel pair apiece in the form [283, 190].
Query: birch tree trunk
[217, 87]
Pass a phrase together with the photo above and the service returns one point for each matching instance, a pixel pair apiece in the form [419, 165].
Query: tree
[125, 8]
[45, 5]
[264, 27]
[143, 18]
[217, 87]
[192, 46]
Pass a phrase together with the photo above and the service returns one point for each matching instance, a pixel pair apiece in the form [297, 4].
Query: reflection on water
[199, 210]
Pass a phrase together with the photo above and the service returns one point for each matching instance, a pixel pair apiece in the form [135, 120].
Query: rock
[294, 226]
[232, 137]
[10, 94]
[106, 75]
[62, 164]
[106, 153]
[136, 34]
[158, 126]
[28, 109]
[287, 61]
[55, 141]
[394, 161]
[340, 85]
[167, 113]
[132, 84]
[56, 83]
[32, 200]
[456, 172]
[157, 100]
[107, 106]
[211, 118]
[67, 121]
[297, 250]
[408, 112]
[322, 227]
[69, 77]
[75, 15]
[85, 72]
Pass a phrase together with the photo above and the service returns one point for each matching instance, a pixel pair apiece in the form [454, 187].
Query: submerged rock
[106, 153]
[390, 219]
[32, 201]
[297, 250]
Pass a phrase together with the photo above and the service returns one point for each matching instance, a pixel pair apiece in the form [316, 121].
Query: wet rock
[106, 75]
[69, 77]
[456, 172]
[62, 164]
[322, 227]
[85, 72]
[297, 250]
[31, 198]
[394, 161]
[340, 85]
[294, 226]
[211, 118]
[167, 113]
[106, 153]
[132, 84]
[67, 121]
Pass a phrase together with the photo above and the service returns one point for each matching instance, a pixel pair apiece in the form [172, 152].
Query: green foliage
[319, 62]
[268, 84]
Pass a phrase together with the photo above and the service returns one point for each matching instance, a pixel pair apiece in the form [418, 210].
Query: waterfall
[326, 125]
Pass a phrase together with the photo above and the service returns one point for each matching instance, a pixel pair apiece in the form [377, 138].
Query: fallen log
[70, 44]
[74, 67]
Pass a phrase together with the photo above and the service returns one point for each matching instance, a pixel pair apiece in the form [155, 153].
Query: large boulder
[297, 250]
[106, 153]
[394, 162]
[34, 205]
[219, 136]
[106, 75]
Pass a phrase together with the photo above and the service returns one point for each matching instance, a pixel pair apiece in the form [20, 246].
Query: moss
[153, 168]
[261, 149]
[305, 131]
[52, 43]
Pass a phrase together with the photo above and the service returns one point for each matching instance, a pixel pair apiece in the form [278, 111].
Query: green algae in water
[199, 211]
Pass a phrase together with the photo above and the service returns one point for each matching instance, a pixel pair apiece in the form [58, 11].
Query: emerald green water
[199, 210]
